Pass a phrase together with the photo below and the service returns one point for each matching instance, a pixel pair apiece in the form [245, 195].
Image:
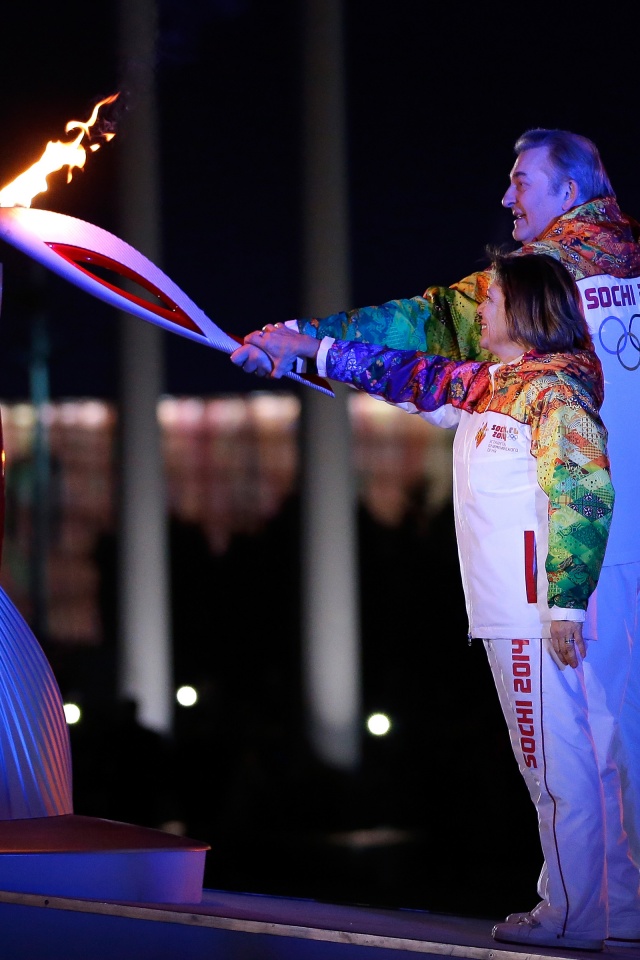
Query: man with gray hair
[563, 205]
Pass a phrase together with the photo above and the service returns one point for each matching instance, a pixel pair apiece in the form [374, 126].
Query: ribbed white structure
[35, 753]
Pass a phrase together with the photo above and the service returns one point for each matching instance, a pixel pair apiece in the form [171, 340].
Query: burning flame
[27, 185]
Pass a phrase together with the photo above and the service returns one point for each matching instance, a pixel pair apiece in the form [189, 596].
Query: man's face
[530, 198]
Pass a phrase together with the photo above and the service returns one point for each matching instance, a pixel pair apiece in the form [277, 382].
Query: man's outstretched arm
[442, 321]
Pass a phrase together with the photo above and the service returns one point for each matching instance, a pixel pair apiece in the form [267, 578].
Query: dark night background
[437, 94]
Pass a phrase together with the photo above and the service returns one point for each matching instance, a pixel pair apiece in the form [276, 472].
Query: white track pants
[589, 883]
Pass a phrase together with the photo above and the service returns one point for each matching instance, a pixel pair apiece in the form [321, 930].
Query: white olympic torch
[71, 247]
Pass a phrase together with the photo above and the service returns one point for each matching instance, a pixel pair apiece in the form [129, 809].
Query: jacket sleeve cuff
[302, 364]
[321, 357]
[564, 613]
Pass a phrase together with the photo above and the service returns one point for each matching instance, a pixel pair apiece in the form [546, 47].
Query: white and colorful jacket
[533, 497]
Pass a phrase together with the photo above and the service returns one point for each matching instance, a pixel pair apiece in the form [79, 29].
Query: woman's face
[494, 335]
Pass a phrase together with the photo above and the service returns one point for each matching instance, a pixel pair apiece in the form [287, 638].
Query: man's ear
[570, 195]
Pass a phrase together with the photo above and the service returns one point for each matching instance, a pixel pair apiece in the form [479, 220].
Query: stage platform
[84, 888]
[244, 926]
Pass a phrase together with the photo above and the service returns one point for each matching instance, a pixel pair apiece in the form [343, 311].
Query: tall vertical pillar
[145, 662]
[330, 598]
[41, 496]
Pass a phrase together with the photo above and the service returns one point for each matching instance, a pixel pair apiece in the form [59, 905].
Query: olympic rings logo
[625, 338]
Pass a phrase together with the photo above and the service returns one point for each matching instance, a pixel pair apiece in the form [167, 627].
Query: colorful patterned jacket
[530, 468]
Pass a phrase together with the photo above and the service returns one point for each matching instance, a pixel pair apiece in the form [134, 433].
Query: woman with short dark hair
[533, 503]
